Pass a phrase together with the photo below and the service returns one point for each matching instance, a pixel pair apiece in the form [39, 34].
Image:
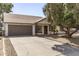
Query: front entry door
[45, 29]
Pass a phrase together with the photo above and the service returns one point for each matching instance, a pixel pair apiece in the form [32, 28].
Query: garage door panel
[19, 30]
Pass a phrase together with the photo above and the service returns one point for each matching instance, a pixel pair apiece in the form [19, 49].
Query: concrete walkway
[1, 47]
[33, 46]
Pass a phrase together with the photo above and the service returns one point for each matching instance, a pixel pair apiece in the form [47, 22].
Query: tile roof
[43, 21]
[16, 18]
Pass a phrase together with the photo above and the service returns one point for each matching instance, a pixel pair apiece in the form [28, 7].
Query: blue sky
[28, 9]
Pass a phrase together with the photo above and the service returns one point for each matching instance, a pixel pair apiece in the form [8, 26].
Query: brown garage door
[16, 30]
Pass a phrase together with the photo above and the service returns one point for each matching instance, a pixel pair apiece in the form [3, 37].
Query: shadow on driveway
[67, 49]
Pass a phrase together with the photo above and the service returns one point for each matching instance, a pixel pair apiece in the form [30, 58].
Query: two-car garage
[19, 30]
[20, 25]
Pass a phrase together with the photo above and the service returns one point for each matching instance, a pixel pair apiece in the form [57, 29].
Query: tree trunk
[68, 35]
[67, 31]
[3, 23]
[2, 19]
[74, 31]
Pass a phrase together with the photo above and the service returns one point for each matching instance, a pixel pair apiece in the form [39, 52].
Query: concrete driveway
[33, 46]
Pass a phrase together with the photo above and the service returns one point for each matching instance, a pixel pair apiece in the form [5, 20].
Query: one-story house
[15, 24]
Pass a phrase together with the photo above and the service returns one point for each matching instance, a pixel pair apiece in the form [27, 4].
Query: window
[38, 29]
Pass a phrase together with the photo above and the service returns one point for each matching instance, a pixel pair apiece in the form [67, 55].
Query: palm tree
[4, 8]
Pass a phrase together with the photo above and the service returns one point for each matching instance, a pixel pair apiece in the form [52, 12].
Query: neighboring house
[15, 24]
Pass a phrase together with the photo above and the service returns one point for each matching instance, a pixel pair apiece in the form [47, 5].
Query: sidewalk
[1, 47]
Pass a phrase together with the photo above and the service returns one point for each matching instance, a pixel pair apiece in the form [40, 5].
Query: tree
[51, 12]
[65, 15]
[4, 8]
